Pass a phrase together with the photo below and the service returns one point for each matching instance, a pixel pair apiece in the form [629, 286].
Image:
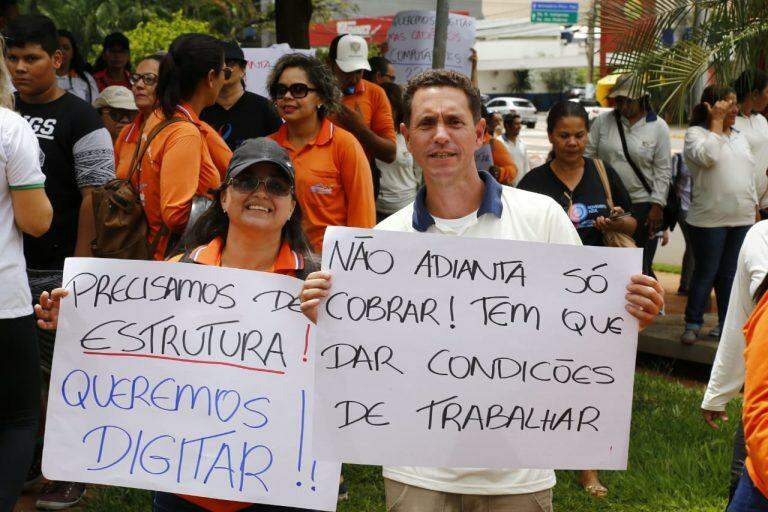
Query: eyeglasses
[249, 182]
[227, 72]
[297, 90]
[121, 116]
[149, 79]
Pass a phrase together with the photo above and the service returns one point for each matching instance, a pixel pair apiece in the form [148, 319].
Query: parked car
[521, 106]
[593, 107]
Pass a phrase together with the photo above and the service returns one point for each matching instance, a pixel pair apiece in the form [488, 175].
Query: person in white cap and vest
[117, 109]
[635, 142]
[366, 111]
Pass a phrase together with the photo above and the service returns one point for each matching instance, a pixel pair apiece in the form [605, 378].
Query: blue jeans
[715, 251]
[748, 498]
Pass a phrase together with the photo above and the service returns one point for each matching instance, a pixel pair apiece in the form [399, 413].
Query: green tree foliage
[157, 33]
[521, 80]
[91, 20]
[556, 80]
[722, 38]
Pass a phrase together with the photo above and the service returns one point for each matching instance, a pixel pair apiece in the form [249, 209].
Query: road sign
[560, 13]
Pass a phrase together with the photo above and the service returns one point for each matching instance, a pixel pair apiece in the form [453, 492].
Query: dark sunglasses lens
[279, 91]
[277, 187]
[227, 73]
[299, 90]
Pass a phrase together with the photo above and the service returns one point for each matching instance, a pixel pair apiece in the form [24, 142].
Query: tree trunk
[590, 48]
[292, 22]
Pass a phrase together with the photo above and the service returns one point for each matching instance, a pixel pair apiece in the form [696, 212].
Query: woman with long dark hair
[723, 202]
[254, 223]
[333, 178]
[74, 73]
[178, 164]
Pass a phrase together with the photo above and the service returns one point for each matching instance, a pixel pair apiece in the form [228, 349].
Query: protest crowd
[212, 174]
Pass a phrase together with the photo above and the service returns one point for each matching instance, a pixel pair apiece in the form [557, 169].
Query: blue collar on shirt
[491, 203]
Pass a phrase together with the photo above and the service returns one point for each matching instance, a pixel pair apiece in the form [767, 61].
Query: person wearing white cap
[117, 109]
[635, 141]
[366, 111]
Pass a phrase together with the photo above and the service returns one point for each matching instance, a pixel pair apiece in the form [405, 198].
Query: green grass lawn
[676, 463]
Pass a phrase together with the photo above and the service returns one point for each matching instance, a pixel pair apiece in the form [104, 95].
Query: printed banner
[187, 379]
[411, 38]
[436, 350]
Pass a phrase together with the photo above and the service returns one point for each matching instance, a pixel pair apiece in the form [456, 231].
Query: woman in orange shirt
[177, 164]
[254, 223]
[752, 492]
[493, 156]
[333, 178]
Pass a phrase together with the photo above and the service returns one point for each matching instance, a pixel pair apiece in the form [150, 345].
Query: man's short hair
[379, 65]
[442, 78]
[511, 116]
[32, 29]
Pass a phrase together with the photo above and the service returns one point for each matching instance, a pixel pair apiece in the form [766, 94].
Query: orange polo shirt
[374, 105]
[755, 407]
[125, 146]
[333, 181]
[287, 263]
[502, 159]
[176, 167]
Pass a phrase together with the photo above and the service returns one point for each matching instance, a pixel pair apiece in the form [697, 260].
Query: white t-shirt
[87, 91]
[722, 169]
[524, 216]
[728, 370]
[399, 180]
[19, 170]
[755, 129]
[519, 153]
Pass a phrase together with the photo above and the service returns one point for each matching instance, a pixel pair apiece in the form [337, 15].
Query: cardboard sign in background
[410, 43]
[260, 64]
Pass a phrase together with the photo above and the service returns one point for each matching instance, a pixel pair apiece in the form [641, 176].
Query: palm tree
[720, 39]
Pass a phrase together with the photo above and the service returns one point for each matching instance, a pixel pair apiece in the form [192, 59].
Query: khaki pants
[407, 498]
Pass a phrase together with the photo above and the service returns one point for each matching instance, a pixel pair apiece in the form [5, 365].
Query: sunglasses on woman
[149, 79]
[121, 115]
[297, 90]
[249, 182]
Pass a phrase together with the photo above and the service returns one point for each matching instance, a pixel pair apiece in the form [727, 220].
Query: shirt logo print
[322, 189]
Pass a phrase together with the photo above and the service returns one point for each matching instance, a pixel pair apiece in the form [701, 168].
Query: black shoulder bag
[672, 208]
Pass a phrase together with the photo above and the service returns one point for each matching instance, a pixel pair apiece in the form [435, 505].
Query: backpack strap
[600, 166]
[138, 154]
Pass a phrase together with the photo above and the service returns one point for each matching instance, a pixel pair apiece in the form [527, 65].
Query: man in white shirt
[443, 129]
[513, 123]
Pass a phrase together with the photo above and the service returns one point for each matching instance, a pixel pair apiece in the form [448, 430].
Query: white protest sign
[187, 379]
[436, 350]
[260, 62]
[410, 42]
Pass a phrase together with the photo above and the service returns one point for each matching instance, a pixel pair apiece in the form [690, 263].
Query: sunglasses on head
[297, 90]
[249, 182]
[149, 79]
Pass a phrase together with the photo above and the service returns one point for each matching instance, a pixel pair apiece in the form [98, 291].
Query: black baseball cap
[116, 39]
[232, 51]
[254, 151]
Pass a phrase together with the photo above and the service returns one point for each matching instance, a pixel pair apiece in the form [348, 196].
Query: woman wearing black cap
[114, 64]
[254, 223]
